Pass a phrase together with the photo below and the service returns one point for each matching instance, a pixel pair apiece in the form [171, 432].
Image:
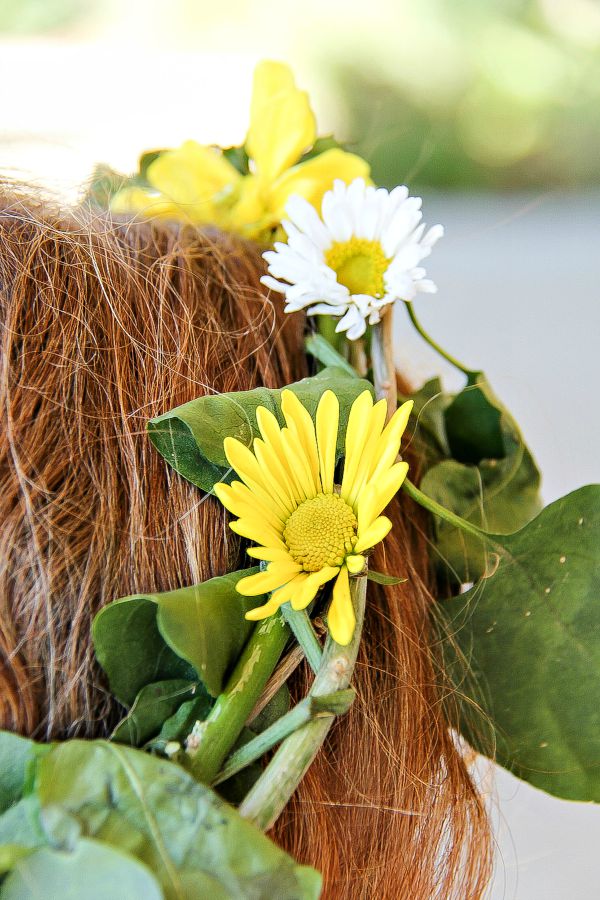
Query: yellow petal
[300, 423]
[388, 445]
[268, 554]
[268, 609]
[282, 124]
[299, 464]
[311, 179]
[142, 201]
[373, 534]
[357, 434]
[257, 531]
[355, 563]
[247, 467]
[263, 582]
[240, 501]
[309, 588]
[386, 487]
[340, 618]
[328, 414]
[287, 486]
[367, 459]
[191, 177]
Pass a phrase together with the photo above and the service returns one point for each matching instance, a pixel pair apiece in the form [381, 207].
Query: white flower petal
[351, 211]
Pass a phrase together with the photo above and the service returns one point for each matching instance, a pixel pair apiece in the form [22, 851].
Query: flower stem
[382, 361]
[454, 362]
[269, 795]
[219, 732]
[308, 709]
[438, 510]
[300, 624]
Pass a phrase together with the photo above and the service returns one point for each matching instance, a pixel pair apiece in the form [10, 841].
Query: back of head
[104, 325]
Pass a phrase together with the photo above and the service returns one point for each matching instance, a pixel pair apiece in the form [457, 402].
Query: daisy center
[360, 265]
[321, 532]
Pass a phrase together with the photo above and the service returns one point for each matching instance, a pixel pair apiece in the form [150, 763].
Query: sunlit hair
[103, 325]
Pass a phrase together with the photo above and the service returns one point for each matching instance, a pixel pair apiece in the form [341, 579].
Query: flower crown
[307, 472]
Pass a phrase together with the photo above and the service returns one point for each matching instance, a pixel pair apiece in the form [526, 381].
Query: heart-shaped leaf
[191, 633]
[195, 844]
[157, 703]
[90, 871]
[191, 437]
[14, 754]
[531, 632]
[499, 494]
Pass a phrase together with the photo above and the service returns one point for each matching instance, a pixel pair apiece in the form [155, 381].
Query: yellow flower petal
[357, 434]
[257, 531]
[191, 177]
[355, 563]
[367, 459]
[268, 554]
[388, 445]
[373, 534]
[268, 609]
[328, 414]
[300, 423]
[247, 467]
[240, 501]
[308, 590]
[386, 487]
[263, 582]
[300, 465]
[286, 486]
[147, 203]
[340, 618]
[311, 179]
[282, 124]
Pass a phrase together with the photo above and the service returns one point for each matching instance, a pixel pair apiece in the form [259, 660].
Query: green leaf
[104, 184]
[498, 495]
[92, 871]
[195, 844]
[157, 703]
[146, 160]
[531, 631]
[473, 423]
[238, 158]
[190, 633]
[131, 649]
[15, 752]
[319, 347]
[428, 416]
[380, 578]
[10, 854]
[20, 824]
[191, 437]
[180, 724]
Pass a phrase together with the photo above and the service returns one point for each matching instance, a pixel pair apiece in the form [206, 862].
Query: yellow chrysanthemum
[199, 185]
[308, 529]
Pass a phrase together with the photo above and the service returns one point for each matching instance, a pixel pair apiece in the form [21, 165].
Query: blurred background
[490, 109]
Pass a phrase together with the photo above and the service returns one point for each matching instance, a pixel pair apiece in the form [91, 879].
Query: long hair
[103, 325]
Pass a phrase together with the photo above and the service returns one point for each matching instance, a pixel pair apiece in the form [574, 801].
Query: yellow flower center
[321, 532]
[360, 265]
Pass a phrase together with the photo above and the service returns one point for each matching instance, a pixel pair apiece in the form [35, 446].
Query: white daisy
[360, 255]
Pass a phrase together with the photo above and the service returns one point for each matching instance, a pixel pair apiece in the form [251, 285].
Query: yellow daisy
[308, 529]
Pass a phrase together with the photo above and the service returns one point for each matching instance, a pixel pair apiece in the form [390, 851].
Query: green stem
[382, 361]
[305, 711]
[219, 732]
[300, 624]
[269, 795]
[326, 326]
[454, 362]
[441, 511]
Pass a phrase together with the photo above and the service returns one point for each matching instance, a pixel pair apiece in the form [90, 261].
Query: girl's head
[103, 325]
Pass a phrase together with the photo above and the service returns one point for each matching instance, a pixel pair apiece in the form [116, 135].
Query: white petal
[305, 217]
